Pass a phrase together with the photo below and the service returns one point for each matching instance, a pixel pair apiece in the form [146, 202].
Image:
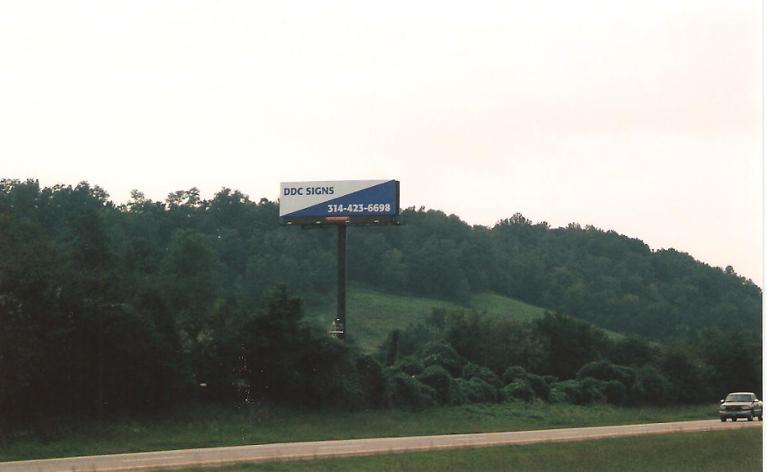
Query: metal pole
[341, 284]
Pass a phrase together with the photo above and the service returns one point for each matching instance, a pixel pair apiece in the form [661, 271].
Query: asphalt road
[354, 447]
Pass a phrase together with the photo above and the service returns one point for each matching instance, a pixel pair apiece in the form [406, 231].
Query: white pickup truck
[741, 405]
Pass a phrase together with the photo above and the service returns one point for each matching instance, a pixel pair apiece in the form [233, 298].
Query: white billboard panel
[347, 200]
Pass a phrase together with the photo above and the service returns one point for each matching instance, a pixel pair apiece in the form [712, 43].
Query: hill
[203, 253]
[372, 314]
[108, 307]
[614, 281]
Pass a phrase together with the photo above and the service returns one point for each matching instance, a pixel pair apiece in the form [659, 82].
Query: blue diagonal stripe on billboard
[381, 194]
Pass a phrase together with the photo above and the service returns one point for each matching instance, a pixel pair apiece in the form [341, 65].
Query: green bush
[651, 387]
[518, 389]
[592, 390]
[439, 379]
[539, 385]
[405, 391]
[688, 378]
[558, 395]
[615, 392]
[536, 383]
[567, 391]
[371, 379]
[410, 365]
[583, 391]
[513, 373]
[605, 370]
[474, 371]
[458, 392]
[602, 370]
[551, 379]
[476, 390]
[442, 354]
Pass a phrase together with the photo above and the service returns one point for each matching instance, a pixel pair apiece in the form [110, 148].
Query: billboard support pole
[341, 283]
[320, 204]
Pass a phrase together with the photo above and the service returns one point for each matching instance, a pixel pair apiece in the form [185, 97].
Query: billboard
[340, 202]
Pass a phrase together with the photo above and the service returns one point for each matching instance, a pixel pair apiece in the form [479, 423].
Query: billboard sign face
[340, 201]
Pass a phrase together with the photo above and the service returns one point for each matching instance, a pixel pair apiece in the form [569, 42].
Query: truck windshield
[738, 398]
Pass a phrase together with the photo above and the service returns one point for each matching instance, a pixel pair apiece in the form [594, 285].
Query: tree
[570, 343]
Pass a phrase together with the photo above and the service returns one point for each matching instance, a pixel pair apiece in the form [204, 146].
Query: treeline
[464, 357]
[108, 307]
[239, 248]
[611, 280]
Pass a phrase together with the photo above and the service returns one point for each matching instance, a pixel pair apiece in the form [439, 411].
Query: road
[354, 447]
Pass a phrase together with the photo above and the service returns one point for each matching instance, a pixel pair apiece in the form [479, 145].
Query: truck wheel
[750, 418]
[723, 418]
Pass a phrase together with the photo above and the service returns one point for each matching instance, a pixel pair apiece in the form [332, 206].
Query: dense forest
[107, 308]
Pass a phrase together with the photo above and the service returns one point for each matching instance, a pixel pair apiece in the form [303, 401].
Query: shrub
[513, 373]
[539, 385]
[688, 378]
[410, 365]
[650, 387]
[558, 395]
[602, 370]
[403, 390]
[583, 391]
[615, 392]
[445, 356]
[551, 379]
[567, 391]
[474, 371]
[476, 390]
[518, 390]
[371, 379]
[536, 383]
[605, 370]
[592, 390]
[439, 379]
[458, 392]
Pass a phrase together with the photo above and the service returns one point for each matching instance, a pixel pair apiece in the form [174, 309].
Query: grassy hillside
[372, 314]
[505, 307]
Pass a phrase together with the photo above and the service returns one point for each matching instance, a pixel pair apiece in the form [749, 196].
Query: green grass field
[501, 307]
[738, 450]
[372, 314]
[210, 427]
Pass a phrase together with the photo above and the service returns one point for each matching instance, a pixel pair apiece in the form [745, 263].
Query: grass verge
[211, 427]
[681, 452]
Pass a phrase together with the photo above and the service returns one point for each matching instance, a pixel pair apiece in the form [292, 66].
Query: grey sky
[642, 117]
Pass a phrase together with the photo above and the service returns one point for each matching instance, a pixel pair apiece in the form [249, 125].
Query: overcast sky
[643, 117]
